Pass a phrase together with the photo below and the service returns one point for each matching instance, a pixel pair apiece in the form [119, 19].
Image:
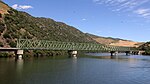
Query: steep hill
[16, 24]
[114, 41]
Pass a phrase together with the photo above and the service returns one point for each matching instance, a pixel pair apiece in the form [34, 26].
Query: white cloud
[122, 4]
[25, 7]
[129, 6]
[16, 6]
[83, 19]
[143, 12]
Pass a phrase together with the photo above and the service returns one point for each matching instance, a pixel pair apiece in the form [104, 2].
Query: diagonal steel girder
[56, 45]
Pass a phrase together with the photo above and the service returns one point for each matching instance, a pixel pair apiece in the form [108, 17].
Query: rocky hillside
[145, 47]
[15, 24]
[3, 7]
[114, 41]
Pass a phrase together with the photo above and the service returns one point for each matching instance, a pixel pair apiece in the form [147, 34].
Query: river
[134, 69]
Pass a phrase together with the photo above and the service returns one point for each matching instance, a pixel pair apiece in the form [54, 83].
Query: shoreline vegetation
[146, 48]
[39, 53]
[35, 53]
[48, 53]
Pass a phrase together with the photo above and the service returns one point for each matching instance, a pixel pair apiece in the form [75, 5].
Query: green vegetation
[1, 44]
[21, 24]
[145, 47]
[4, 54]
[12, 44]
[16, 24]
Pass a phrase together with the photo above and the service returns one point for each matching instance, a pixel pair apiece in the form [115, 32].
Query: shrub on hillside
[12, 44]
[6, 35]
[1, 44]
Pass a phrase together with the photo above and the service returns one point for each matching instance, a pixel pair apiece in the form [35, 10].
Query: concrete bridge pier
[113, 53]
[73, 53]
[135, 52]
[127, 53]
[19, 54]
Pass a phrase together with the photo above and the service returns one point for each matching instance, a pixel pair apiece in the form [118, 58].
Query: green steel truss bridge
[29, 44]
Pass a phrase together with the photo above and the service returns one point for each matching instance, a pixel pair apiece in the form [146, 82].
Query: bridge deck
[9, 49]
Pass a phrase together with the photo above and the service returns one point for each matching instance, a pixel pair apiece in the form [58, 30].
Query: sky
[126, 19]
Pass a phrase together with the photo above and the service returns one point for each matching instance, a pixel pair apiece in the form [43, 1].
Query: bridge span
[71, 47]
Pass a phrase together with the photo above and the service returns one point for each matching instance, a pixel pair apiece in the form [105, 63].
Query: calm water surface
[83, 70]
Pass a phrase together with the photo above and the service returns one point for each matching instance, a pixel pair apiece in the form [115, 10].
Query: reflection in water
[74, 63]
[114, 57]
[81, 70]
[74, 60]
[19, 65]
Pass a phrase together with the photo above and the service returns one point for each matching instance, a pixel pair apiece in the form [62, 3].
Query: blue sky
[126, 19]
